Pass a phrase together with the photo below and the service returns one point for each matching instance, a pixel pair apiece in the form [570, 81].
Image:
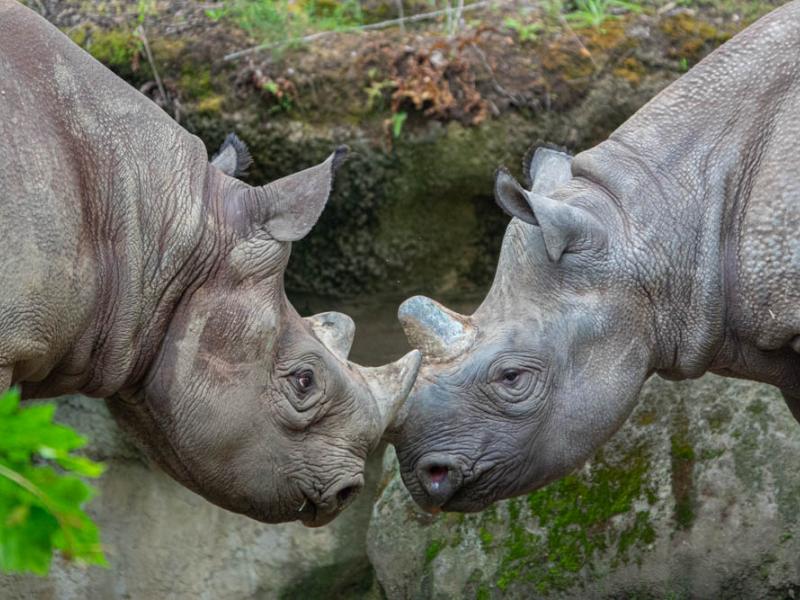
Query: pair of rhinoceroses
[134, 270]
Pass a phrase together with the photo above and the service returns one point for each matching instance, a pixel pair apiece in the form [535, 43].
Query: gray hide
[132, 269]
[670, 248]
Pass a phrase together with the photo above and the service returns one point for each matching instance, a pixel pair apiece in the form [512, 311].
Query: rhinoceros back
[85, 157]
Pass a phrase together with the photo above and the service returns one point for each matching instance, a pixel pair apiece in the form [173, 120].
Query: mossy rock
[696, 496]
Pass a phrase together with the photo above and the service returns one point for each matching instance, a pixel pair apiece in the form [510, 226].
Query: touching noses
[440, 478]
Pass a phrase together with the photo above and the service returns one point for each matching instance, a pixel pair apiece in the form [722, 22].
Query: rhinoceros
[132, 269]
[670, 248]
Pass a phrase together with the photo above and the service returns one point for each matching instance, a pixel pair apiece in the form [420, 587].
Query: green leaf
[41, 507]
[398, 119]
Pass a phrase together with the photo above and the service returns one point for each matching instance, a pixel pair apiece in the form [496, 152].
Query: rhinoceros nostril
[343, 495]
[437, 473]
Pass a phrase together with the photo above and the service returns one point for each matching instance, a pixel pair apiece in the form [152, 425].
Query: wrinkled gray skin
[132, 269]
[670, 248]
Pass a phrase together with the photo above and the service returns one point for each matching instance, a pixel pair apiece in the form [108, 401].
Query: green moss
[196, 82]
[486, 538]
[691, 38]
[211, 104]
[711, 453]
[631, 69]
[757, 407]
[77, 35]
[574, 523]
[642, 532]
[718, 417]
[483, 593]
[114, 48]
[646, 417]
[432, 551]
[682, 457]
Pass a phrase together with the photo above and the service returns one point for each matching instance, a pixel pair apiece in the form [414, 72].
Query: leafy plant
[593, 13]
[525, 31]
[41, 499]
[397, 120]
[281, 92]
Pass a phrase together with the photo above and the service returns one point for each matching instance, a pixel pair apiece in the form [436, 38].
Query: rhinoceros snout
[440, 478]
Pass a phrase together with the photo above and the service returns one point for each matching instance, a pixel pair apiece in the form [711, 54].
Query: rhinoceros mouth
[311, 515]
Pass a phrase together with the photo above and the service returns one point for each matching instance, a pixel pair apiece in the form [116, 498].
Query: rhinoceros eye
[509, 376]
[303, 381]
[513, 384]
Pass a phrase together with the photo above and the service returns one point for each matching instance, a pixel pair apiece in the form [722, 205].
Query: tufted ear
[564, 227]
[233, 158]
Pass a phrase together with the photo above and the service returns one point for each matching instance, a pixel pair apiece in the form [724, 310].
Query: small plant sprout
[593, 13]
[525, 31]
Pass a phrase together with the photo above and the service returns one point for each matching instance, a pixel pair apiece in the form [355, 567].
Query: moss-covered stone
[573, 521]
[674, 506]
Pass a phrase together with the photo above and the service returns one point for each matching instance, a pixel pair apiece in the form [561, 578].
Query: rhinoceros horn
[335, 330]
[439, 333]
[391, 384]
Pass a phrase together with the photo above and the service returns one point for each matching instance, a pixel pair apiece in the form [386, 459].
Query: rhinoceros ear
[233, 158]
[546, 168]
[564, 227]
[289, 207]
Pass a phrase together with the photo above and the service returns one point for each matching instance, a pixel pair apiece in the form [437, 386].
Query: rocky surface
[696, 497]
[162, 541]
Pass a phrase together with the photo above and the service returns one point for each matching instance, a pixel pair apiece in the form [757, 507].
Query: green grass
[593, 13]
[279, 22]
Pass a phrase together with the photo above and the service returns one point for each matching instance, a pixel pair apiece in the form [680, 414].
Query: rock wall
[164, 542]
[696, 497]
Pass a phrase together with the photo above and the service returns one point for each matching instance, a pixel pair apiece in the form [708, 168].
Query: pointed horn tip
[412, 362]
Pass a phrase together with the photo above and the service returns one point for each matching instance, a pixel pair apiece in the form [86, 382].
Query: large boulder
[162, 541]
[697, 496]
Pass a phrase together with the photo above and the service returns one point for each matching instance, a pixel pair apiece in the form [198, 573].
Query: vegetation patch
[555, 534]
[683, 459]
[691, 38]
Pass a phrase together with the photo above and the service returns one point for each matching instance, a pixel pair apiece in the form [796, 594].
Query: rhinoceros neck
[683, 172]
[151, 240]
[120, 207]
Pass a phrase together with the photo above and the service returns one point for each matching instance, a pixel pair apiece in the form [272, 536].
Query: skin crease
[136, 271]
[681, 256]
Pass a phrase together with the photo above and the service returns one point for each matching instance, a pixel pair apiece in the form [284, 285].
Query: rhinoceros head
[249, 404]
[542, 373]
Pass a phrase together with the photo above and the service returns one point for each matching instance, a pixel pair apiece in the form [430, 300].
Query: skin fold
[133, 269]
[670, 248]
